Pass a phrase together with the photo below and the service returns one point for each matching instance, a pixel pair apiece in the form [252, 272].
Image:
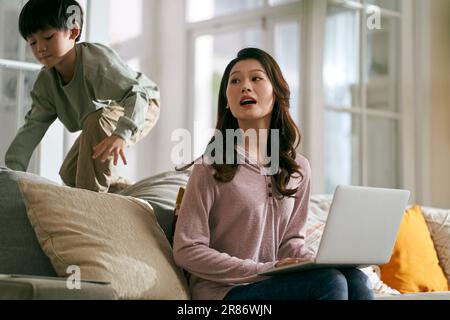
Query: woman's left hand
[112, 145]
[289, 261]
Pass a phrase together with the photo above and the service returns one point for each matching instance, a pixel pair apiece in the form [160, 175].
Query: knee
[92, 121]
[359, 285]
[66, 178]
[333, 285]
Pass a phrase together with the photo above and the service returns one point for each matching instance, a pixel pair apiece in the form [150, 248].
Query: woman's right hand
[289, 261]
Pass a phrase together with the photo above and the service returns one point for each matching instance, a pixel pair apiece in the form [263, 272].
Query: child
[235, 222]
[87, 87]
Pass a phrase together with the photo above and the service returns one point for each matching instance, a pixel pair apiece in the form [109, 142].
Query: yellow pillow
[414, 265]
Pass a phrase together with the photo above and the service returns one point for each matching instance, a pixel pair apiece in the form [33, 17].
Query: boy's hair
[38, 15]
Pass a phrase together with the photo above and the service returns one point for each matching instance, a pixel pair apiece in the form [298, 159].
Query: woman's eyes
[236, 81]
[48, 38]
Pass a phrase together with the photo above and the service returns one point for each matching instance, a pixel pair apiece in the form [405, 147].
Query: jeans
[319, 284]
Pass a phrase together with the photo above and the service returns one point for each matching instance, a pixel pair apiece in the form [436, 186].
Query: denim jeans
[318, 284]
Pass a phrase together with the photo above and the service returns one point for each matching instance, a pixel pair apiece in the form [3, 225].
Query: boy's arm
[140, 93]
[37, 121]
[136, 106]
[132, 90]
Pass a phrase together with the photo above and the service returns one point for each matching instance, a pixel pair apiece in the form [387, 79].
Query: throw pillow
[109, 237]
[20, 252]
[438, 221]
[160, 191]
[414, 265]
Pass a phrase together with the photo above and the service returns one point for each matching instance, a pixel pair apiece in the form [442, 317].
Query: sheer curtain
[341, 78]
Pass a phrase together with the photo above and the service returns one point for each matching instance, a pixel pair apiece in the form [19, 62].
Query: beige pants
[79, 170]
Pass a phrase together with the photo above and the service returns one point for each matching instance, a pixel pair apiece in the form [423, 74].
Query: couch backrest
[20, 252]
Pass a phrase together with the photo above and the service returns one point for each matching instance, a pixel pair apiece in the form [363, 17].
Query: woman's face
[250, 93]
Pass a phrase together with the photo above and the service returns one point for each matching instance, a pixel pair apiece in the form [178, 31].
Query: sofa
[34, 258]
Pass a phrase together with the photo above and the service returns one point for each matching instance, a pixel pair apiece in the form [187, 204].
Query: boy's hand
[111, 145]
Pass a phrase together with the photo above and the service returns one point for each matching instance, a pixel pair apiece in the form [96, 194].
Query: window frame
[311, 18]
[266, 17]
[362, 109]
[22, 66]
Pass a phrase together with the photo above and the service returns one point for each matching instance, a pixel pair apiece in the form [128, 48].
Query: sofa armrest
[436, 295]
[47, 288]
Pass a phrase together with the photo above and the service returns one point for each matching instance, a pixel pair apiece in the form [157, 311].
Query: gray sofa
[25, 271]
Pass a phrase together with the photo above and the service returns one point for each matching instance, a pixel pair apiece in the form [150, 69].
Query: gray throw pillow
[20, 252]
[160, 192]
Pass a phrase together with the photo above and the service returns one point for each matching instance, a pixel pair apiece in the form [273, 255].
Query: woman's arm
[192, 236]
[293, 243]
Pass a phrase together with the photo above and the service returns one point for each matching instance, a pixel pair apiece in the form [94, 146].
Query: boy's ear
[74, 33]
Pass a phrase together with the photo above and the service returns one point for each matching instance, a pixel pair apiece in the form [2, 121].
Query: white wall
[168, 69]
[440, 103]
[151, 44]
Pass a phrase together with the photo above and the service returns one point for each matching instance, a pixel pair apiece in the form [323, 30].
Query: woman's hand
[289, 261]
[112, 145]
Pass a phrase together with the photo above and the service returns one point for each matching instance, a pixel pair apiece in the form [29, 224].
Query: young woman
[234, 221]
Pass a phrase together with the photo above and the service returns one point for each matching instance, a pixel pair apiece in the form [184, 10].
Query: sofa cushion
[160, 191]
[438, 221]
[20, 252]
[109, 237]
[414, 265]
[42, 288]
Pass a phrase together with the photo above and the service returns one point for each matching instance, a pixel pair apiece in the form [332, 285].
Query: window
[361, 84]
[356, 136]
[18, 72]
[218, 29]
[17, 76]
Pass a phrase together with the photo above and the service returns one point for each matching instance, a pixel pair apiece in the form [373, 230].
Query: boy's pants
[79, 170]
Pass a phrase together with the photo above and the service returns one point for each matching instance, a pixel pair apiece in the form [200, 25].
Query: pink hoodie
[228, 232]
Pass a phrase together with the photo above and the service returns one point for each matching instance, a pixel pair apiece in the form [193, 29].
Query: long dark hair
[290, 136]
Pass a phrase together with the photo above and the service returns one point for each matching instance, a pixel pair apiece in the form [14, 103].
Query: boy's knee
[92, 121]
[67, 177]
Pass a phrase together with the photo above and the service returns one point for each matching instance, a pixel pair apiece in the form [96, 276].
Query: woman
[235, 221]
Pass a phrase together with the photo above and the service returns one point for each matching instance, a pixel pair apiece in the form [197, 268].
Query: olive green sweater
[101, 79]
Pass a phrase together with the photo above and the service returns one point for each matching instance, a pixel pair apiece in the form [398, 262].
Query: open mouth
[248, 102]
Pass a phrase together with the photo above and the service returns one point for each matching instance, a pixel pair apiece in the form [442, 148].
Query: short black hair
[38, 15]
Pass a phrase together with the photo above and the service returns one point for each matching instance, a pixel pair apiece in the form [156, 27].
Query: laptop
[361, 229]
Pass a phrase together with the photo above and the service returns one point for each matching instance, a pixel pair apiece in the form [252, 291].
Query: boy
[88, 88]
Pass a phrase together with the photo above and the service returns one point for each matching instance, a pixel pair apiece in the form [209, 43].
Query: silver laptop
[361, 229]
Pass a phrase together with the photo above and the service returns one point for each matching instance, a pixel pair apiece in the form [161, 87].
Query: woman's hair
[290, 136]
[38, 15]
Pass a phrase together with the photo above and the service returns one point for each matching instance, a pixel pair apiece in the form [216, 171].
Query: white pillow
[438, 221]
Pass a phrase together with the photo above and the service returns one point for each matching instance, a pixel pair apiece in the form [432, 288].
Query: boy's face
[50, 46]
